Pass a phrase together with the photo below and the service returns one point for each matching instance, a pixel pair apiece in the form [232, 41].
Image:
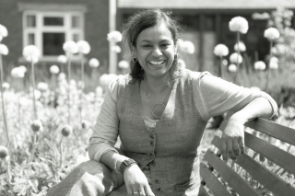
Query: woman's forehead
[155, 33]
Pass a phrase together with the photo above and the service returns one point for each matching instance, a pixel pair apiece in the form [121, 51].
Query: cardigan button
[152, 136]
[152, 143]
[157, 181]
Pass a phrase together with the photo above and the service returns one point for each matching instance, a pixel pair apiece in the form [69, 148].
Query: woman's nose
[157, 51]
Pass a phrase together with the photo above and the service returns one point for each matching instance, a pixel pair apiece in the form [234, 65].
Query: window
[49, 30]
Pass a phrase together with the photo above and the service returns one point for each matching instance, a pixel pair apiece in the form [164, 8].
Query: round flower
[232, 68]
[224, 62]
[236, 58]
[5, 86]
[114, 36]
[240, 46]
[181, 63]
[273, 64]
[42, 86]
[3, 31]
[3, 152]
[259, 65]
[54, 69]
[31, 53]
[221, 50]
[36, 125]
[70, 47]
[17, 72]
[116, 48]
[239, 24]
[23, 68]
[83, 47]
[93, 62]
[3, 49]
[271, 33]
[123, 64]
[188, 47]
[66, 130]
[62, 59]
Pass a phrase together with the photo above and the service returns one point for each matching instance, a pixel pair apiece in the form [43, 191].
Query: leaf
[53, 147]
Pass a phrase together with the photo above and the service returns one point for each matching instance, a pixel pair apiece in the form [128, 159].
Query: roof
[207, 4]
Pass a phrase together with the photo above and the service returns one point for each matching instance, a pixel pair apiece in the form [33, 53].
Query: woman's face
[155, 50]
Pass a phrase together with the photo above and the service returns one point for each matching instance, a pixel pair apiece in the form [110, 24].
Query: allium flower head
[93, 62]
[123, 64]
[239, 24]
[31, 53]
[271, 34]
[23, 68]
[181, 63]
[259, 65]
[3, 31]
[5, 86]
[70, 47]
[273, 64]
[3, 152]
[221, 50]
[240, 46]
[83, 47]
[17, 72]
[42, 86]
[114, 36]
[62, 59]
[36, 125]
[66, 130]
[236, 58]
[232, 68]
[54, 69]
[3, 49]
[187, 47]
[116, 49]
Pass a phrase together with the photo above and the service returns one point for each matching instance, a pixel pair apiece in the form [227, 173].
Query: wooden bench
[264, 169]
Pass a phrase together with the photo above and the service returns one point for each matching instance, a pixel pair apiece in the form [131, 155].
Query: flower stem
[69, 88]
[33, 83]
[82, 87]
[34, 148]
[238, 63]
[268, 70]
[61, 153]
[221, 67]
[2, 98]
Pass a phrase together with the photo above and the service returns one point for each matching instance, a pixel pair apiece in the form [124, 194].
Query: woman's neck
[155, 85]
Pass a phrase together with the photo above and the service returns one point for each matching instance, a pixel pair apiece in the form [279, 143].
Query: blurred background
[48, 24]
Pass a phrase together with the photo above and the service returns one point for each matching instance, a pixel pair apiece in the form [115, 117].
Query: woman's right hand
[136, 182]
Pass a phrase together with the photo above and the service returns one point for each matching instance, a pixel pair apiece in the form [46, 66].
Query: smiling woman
[159, 111]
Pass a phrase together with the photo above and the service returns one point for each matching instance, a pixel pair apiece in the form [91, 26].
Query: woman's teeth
[156, 62]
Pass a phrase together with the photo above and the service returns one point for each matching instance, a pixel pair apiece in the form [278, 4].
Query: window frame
[40, 28]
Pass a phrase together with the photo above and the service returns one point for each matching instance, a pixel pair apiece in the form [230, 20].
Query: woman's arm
[232, 144]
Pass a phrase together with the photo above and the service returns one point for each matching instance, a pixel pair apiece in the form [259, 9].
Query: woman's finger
[236, 147]
[242, 144]
[230, 150]
[224, 149]
[148, 191]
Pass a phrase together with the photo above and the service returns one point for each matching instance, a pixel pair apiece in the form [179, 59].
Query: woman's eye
[147, 46]
[165, 45]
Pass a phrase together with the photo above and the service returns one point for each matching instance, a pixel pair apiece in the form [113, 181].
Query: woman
[160, 111]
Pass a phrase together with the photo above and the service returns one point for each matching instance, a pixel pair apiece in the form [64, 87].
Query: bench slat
[212, 182]
[273, 129]
[273, 153]
[232, 178]
[203, 191]
[261, 174]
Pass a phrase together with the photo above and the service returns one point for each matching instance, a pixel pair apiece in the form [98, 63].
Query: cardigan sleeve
[105, 131]
[214, 96]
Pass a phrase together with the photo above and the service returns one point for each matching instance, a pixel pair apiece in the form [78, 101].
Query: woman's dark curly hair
[136, 24]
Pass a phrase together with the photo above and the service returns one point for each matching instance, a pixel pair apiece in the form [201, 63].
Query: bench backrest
[264, 168]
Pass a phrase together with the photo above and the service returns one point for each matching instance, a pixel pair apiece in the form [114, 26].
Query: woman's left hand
[232, 141]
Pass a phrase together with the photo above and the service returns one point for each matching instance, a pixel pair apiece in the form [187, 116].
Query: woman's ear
[133, 51]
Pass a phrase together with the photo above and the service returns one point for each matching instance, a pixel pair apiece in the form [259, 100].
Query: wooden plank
[273, 129]
[232, 178]
[271, 152]
[268, 179]
[212, 182]
[203, 191]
